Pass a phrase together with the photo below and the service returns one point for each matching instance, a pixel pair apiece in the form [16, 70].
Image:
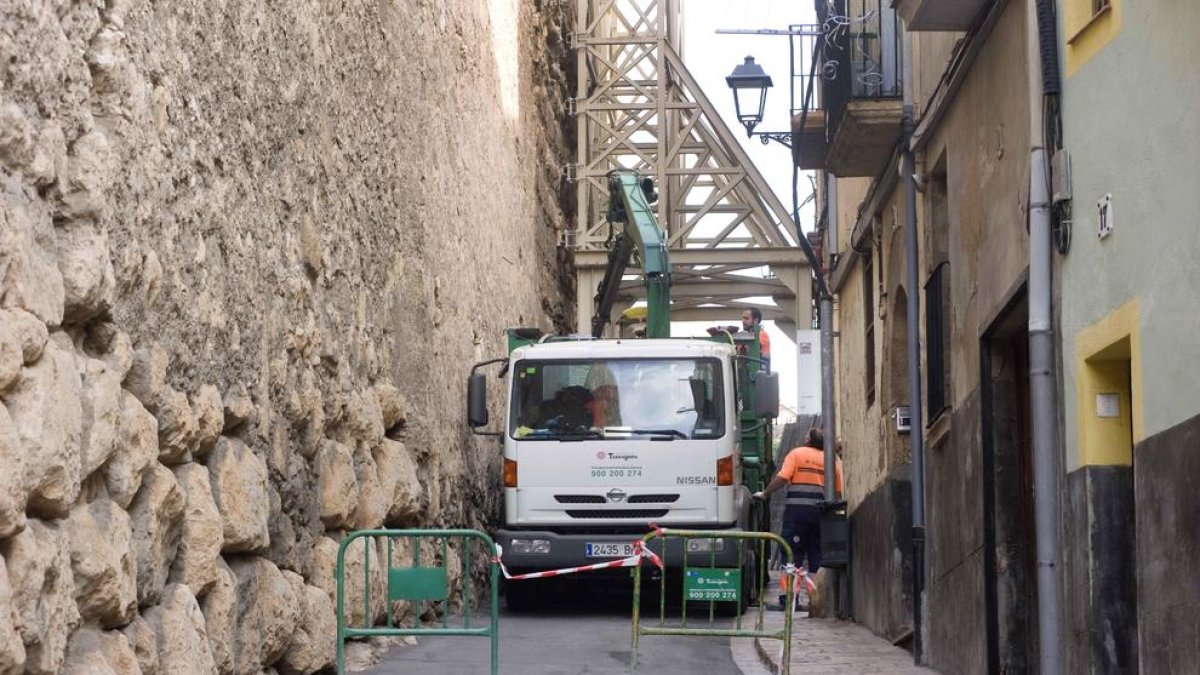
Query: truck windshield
[617, 399]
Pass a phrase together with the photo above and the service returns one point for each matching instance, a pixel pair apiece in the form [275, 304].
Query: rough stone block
[310, 650]
[104, 341]
[103, 563]
[137, 449]
[29, 278]
[365, 417]
[84, 656]
[43, 594]
[337, 486]
[203, 532]
[30, 330]
[93, 652]
[49, 155]
[16, 137]
[210, 419]
[321, 566]
[398, 470]
[145, 645]
[157, 514]
[46, 410]
[11, 358]
[180, 634]
[147, 376]
[239, 407]
[220, 608]
[101, 409]
[393, 406]
[91, 166]
[87, 272]
[177, 428]
[13, 493]
[239, 485]
[12, 649]
[118, 653]
[267, 614]
[373, 503]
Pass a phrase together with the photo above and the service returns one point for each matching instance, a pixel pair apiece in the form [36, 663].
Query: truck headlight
[530, 545]
[705, 545]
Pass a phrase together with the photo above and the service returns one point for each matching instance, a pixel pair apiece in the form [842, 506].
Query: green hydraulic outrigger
[629, 204]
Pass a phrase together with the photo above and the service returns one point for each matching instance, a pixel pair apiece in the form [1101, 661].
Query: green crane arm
[629, 205]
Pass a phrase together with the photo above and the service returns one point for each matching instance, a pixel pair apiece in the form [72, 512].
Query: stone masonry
[248, 252]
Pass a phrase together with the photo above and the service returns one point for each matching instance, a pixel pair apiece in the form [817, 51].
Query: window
[617, 399]
[868, 281]
[937, 297]
[937, 341]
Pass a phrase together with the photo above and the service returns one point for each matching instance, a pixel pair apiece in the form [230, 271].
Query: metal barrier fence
[418, 585]
[709, 584]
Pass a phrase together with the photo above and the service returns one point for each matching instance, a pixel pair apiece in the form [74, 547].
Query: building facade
[1125, 319]
[1130, 313]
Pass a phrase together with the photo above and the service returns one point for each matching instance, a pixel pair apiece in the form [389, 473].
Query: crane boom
[629, 202]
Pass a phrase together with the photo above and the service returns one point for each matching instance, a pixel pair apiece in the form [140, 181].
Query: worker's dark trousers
[802, 531]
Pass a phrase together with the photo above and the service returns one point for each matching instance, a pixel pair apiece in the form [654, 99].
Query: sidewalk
[829, 647]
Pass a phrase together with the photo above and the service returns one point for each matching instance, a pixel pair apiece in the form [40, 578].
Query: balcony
[853, 123]
[862, 85]
[939, 15]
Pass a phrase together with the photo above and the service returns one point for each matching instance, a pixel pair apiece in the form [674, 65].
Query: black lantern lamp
[750, 83]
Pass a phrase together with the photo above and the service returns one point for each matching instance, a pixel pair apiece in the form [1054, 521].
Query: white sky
[711, 57]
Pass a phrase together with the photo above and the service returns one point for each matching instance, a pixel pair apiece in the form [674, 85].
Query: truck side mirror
[766, 395]
[477, 411]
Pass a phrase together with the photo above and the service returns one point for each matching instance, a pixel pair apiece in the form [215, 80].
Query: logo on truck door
[696, 480]
[623, 456]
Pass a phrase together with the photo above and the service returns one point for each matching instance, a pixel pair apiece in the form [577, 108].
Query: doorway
[1010, 545]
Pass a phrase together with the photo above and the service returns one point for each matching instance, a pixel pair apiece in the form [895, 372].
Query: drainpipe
[916, 435]
[829, 407]
[1043, 63]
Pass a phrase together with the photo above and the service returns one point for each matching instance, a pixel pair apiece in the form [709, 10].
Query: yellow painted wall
[1108, 361]
[1088, 33]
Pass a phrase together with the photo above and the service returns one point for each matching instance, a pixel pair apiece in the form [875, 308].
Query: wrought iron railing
[863, 53]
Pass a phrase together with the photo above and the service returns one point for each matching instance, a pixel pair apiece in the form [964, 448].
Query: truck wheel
[521, 596]
[749, 581]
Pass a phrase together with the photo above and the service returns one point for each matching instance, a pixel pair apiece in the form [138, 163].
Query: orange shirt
[764, 341]
[806, 466]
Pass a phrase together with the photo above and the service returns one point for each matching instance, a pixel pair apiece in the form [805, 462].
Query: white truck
[604, 437]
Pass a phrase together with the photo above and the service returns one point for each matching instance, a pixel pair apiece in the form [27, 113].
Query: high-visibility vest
[804, 470]
[764, 342]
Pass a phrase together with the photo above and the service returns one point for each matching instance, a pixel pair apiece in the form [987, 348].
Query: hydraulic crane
[630, 205]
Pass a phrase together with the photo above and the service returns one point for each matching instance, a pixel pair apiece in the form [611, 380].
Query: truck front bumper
[570, 550]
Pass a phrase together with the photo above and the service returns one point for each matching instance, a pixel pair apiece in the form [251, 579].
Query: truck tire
[749, 580]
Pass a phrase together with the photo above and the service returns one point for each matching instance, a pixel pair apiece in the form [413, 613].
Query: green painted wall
[1131, 117]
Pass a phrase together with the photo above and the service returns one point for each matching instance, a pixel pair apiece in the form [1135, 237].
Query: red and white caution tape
[799, 576]
[640, 552]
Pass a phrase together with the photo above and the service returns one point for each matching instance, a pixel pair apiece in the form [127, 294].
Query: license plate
[609, 550]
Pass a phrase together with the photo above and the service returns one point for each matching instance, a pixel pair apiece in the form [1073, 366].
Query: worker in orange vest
[752, 318]
[803, 473]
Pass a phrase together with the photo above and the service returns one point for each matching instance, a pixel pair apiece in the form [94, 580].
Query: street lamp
[750, 83]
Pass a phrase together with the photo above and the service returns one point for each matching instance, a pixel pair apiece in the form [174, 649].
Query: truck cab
[603, 438]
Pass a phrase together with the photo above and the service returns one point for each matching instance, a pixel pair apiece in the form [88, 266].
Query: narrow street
[585, 633]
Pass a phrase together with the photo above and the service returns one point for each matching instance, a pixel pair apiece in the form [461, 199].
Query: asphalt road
[573, 633]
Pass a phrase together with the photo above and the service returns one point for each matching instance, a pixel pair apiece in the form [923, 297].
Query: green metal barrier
[709, 584]
[418, 585]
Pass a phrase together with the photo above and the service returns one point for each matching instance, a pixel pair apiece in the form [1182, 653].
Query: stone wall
[248, 252]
